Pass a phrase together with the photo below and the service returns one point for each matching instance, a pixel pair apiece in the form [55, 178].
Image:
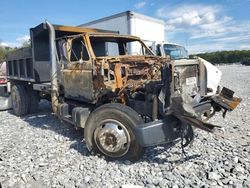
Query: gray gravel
[40, 151]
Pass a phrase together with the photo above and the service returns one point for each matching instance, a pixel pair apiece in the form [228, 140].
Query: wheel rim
[112, 138]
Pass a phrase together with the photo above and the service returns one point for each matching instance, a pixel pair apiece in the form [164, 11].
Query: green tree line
[223, 57]
[5, 49]
[3, 52]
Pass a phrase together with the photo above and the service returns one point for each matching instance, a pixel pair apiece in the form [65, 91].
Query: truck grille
[186, 79]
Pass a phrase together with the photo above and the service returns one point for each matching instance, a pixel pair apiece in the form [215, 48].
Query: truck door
[76, 69]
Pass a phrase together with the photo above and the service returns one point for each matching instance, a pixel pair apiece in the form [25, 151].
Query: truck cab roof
[66, 30]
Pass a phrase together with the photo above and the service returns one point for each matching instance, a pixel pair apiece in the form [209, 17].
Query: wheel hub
[112, 138]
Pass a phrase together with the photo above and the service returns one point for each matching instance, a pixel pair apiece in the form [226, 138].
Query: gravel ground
[40, 151]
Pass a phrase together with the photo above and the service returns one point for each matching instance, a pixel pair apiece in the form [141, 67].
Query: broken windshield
[117, 46]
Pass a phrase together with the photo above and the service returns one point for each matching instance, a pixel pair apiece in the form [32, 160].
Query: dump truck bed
[20, 65]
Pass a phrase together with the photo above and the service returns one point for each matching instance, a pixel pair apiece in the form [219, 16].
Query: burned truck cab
[95, 66]
[124, 96]
[100, 68]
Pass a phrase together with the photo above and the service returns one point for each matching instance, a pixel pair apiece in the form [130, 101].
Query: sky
[200, 26]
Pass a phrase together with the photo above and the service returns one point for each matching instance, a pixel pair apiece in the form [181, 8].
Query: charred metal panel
[226, 99]
[40, 46]
[142, 107]
[78, 85]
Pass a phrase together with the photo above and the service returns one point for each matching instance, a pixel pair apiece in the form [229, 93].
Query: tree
[3, 52]
[223, 57]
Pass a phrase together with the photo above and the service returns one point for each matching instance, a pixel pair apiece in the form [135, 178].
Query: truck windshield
[117, 46]
[175, 51]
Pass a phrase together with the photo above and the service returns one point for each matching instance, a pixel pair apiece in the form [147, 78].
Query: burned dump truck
[124, 100]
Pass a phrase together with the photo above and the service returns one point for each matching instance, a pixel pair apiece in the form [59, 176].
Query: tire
[20, 100]
[121, 144]
[33, 99]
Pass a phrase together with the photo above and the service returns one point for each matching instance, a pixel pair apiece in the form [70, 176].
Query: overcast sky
[201, 26]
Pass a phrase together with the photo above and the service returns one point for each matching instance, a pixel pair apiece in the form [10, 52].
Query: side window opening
[78, 50]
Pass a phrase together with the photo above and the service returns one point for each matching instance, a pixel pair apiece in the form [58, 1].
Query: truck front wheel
[110, 131]
[19, 99]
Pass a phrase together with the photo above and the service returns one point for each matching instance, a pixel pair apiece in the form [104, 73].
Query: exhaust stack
[54, 84]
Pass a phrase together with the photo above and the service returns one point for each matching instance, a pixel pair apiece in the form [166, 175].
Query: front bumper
[169, 129]
[158, 132]
[176, 125]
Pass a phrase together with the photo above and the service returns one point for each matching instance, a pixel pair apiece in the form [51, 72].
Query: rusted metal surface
[226, 99]
[118, 75]
[137, 71]
[113, 74]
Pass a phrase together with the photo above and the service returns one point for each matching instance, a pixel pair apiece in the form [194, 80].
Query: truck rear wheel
[110, 131]
[19, 99]
[33, 100]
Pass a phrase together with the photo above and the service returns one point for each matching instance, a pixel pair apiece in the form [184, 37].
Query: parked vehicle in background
[179, 54]
[174, 51]
[3, 78]
[5, 99]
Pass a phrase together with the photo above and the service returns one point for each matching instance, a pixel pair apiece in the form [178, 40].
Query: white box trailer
[131, 23]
